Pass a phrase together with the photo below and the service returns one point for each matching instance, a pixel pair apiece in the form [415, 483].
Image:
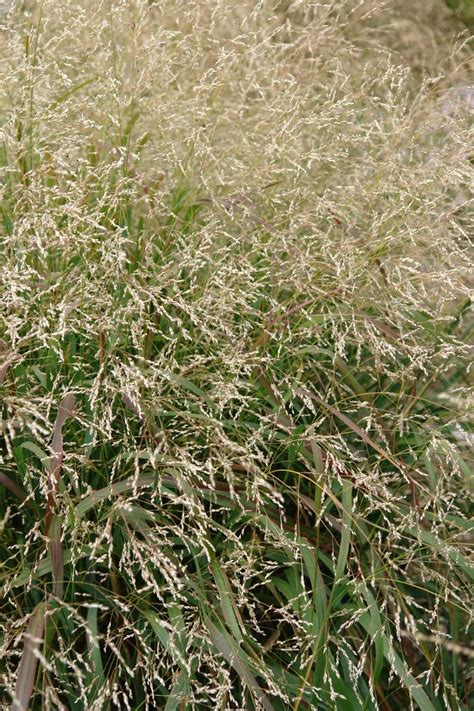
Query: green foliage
[235, 385]
[464, 9]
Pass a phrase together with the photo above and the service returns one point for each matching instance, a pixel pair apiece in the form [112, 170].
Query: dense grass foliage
[235, 356]
[464, 10]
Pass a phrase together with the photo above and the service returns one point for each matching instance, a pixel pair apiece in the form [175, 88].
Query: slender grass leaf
[32, 640]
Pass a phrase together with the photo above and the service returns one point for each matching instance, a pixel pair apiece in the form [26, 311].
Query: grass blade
[26, 674]
[235, 656]
[66, 410]
[12, 486]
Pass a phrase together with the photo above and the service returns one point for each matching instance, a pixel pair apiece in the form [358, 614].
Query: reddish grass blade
[4, 479]
[368, 440]
[131, 406]
[57, 557]
[3, 370]
[358, 430]
[66, 409]
[11, 486]
[53, 525]
[384, 328]
[7, 359]
[33, 639]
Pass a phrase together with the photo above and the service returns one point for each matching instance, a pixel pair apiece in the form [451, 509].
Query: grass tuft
[235, 356]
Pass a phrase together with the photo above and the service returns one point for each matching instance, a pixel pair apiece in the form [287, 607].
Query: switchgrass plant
[235, 356]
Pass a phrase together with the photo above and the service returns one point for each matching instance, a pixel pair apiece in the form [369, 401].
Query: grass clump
[235, 364]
